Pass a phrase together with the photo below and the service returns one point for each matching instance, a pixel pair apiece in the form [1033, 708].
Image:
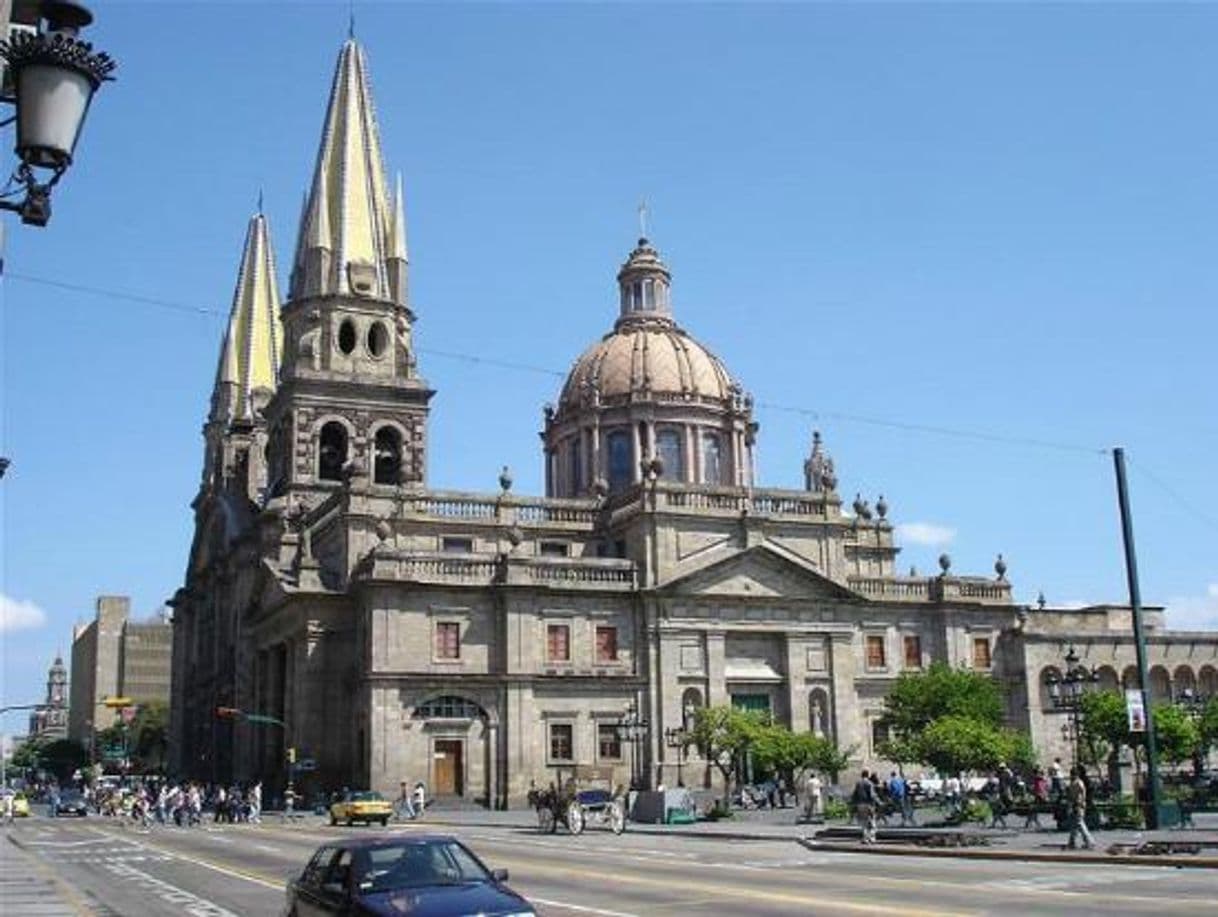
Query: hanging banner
[1136, 710]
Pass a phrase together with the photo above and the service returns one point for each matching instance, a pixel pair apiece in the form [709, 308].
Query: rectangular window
[558, 643]
[752, 703]
[712, 459]
[577, 466]
[621, 472]
[555, 549]
[458, 545]
[879, 735]
[981, 652]
[913, 651]
[448, 640]
[608, 742]
[562, 747]
[875, 652]
[606, 644]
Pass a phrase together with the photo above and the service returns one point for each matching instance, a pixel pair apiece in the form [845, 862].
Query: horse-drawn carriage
[586, 797]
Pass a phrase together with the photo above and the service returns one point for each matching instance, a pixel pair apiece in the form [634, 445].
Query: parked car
[72, 802]
[425, 875]
[367, 807]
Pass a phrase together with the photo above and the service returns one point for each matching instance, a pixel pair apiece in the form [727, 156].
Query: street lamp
[53, 77]
[677, 737]
[633, 728]
[1066, 693]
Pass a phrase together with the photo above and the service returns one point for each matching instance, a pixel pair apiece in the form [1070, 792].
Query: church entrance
[447, 769]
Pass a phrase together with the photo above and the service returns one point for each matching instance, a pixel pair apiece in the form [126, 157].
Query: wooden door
[447, 767]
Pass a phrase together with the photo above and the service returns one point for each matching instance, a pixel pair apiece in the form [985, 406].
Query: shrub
[836, 809]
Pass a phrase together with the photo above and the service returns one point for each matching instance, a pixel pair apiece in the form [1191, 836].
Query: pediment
[759, 572]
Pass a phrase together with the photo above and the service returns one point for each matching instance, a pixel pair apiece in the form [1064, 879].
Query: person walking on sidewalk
[404, 807]
[865, 800]
[1076, 799]
[814, 800]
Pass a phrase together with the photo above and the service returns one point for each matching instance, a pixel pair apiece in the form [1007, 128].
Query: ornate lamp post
[53, 77]
[677, 738]
[633, 728]
[1066, 693]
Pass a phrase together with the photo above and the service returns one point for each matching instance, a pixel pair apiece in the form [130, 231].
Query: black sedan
[424, 875]
[71, 802]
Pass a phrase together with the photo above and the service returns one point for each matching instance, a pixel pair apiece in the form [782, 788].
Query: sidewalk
[28, 888]
[1112, 847]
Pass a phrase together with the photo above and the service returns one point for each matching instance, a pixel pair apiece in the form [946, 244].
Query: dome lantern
[644, 282]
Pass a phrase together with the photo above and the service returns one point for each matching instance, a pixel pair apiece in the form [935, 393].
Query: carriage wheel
[575, 818]
[545, 820]
[617, 818]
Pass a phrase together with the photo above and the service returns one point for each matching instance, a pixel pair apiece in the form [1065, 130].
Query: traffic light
[228, 713]
[292, 754]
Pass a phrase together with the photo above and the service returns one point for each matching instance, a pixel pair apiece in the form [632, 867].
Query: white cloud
[16, 614]
[1196, 612]
[925, 533]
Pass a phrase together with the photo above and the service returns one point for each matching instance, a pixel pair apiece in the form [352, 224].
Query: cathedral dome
[646, 361]
[647, 401]
[647, 355]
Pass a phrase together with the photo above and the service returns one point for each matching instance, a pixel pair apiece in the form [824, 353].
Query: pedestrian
[898, 792]
[815, 801]
[6, 805]
[1076, 797]
[951, 794]
[289, 803]
[1055, 778]
[865, 801]
[420, 799]
[256, 802]
[403, 807]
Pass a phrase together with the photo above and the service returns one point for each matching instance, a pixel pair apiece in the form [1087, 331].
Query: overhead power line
[477, 359]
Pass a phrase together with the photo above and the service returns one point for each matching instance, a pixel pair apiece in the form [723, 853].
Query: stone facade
[485, 642]
[50, 720]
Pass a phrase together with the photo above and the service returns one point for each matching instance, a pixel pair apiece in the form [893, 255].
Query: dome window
[620, 470]
[388, 465]
[332, 451]
[575, 457]
[712, 459]
[668, 447]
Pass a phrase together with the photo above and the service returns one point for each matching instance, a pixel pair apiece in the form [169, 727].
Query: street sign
[1135, 710]
[113, 702]
[306, 764]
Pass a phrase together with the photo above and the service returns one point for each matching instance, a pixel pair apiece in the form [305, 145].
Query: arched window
[1183, 680]
[1160, 685]
[1108, 678]
[332, 451]
[387, 468]
[668, 446]
[619, 461]
[1129, 678]
[1208, 682]
[712, 459]
[691, 700]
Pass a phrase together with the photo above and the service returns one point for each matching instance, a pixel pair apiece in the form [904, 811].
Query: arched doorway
[457, 745]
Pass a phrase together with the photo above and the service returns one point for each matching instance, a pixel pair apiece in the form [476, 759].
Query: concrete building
[482, 642]
[113, 656]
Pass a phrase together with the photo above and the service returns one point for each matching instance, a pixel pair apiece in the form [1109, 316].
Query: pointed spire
[398, 263]
[349, 234]
[249, 359]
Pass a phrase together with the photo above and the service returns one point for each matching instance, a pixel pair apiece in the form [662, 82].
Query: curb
[1032, 856]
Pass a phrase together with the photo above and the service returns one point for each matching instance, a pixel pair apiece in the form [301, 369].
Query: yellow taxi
[366, 807]
[20, 805]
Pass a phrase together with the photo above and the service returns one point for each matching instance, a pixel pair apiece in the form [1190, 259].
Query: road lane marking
[256, 878]
[190, 902]
[581, 908]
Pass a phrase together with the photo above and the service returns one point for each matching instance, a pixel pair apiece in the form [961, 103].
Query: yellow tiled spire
[349, 234]
[253, 342]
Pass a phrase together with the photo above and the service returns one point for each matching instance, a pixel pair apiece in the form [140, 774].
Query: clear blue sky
[995, 218]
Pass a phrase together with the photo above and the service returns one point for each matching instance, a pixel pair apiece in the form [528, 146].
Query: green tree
[148, 736]
[954, 743]
[63, 757]
[27, 754]
[722, 736]
[1176, 733]
[1103, 728]
[918, 699]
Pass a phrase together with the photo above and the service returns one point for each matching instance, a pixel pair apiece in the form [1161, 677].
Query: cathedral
[481, 642]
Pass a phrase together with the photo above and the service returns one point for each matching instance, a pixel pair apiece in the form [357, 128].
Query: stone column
[846, 716]
[797, 682]
[638, 452]
[716, 669]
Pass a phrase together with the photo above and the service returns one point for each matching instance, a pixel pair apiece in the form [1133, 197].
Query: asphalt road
[239, 871]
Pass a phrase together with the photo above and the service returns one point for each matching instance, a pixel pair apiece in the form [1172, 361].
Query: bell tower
[350, 403]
